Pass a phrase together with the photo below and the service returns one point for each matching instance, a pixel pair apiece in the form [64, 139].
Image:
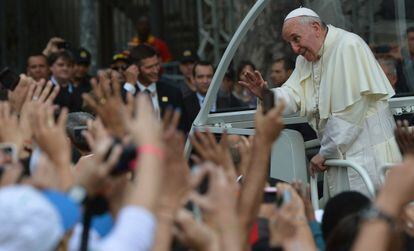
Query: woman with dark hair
[239, 91]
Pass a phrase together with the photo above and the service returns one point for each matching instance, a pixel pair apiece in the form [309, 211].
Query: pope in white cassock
[339, 86]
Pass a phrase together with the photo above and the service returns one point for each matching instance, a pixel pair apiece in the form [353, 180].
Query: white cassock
[344, 96]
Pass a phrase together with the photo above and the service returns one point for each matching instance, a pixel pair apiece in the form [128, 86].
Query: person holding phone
[338, 85]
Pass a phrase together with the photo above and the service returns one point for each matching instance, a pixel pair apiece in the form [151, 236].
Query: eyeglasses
[120, 68]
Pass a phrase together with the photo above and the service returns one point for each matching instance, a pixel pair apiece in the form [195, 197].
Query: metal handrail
[341, 163]
[228, 55]
[383, 171]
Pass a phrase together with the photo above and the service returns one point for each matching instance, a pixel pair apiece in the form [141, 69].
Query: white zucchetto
[302, 11]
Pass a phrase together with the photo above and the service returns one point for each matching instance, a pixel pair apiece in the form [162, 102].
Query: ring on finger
[50, 122]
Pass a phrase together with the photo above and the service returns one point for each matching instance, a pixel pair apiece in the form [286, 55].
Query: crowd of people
[97, 162]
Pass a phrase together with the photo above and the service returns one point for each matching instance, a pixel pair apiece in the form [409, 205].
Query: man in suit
[162, 94]
[203, 74]
[61, 65]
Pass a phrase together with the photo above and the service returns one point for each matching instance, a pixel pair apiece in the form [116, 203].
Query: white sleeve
[133, 230]
[285, 94]
[342, 128]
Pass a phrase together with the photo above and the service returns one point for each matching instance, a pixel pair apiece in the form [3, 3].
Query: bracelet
[150, 149]
[375, 213]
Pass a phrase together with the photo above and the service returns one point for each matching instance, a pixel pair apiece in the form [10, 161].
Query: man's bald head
[305, 34]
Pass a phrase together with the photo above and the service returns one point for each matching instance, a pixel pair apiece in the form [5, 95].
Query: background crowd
[97, 163]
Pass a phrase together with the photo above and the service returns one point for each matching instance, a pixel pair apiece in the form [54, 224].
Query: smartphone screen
[9, 79]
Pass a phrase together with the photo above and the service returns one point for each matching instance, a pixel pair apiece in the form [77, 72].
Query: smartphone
[9, 79]
[268, 100]
[269, 195]
[8, 153]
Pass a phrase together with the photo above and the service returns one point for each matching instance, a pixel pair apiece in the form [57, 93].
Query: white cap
[301, 11]
[28, 220]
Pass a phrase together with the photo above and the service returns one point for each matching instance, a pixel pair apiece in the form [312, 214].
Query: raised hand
[195, 235]
[176, 171]
[93, 171]
[146, 132]
[219, 205]
[45, 175]
[254, 82]
[269, 126]
[245, 148]
[18, 95]
[209, 150]
[131, 74]
[52, 45]
[10, 131]
[405, 137]
[305, 194]
[107, 103]
[38, 93]
[51, 137]
[144, 127]
[289, 226]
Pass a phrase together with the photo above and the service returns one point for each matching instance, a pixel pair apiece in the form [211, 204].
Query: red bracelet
[151, 150]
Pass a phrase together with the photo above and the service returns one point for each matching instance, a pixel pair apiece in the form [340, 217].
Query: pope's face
[305, 39]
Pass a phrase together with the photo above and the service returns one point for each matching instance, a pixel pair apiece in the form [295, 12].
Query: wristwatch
[375, 213]
[78, 194]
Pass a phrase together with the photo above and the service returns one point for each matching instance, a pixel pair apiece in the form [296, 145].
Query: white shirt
[152, 88]
[201, 100]
[133, 230]
[55, 82]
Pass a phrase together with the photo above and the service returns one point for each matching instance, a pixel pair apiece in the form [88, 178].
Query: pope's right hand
[254, 82]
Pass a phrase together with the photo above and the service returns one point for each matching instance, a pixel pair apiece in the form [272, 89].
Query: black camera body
[9, 79]
[129, 153]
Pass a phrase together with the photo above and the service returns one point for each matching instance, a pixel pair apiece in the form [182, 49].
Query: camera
[125, 161]
[63, 45]
[9, 79]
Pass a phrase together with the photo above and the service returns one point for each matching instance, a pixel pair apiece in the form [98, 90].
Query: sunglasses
[119, 68]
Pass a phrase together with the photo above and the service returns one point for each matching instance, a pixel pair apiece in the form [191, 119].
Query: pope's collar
[327, 43]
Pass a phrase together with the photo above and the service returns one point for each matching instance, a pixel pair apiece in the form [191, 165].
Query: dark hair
[65, 55]
[202, 63]
[141, 52]
[243, 64]
[288, 63]
[410, 29]
[36, 55]
[344, 234]
[340, 206]
[78, 119]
